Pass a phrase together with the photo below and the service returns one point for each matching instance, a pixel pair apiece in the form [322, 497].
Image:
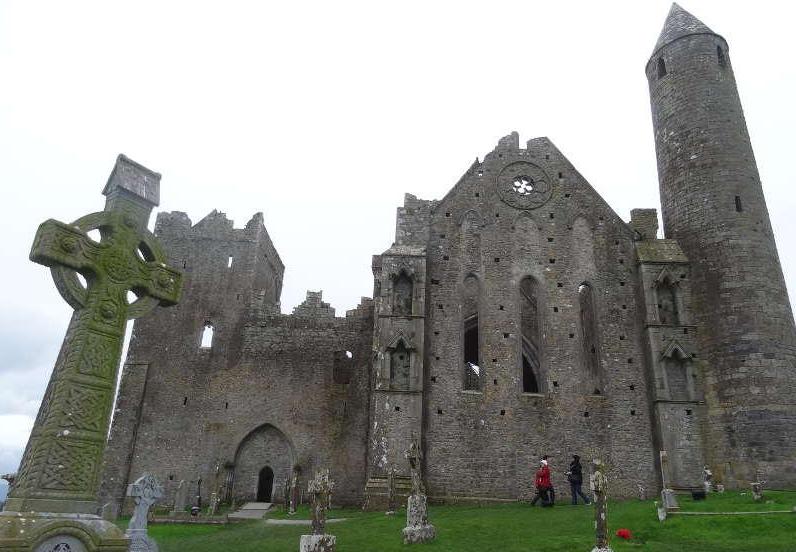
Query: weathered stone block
[317, 543]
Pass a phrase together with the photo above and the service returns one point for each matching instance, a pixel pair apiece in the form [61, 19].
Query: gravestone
[286, 494]
[320, 488]
[418, 529]
[211, 510]
[180, 499]
[707, 479]
[54, 499]
[294, 491]
[391, 506]
[757, 491]
[145, 491]
[668, 498]
[599, 487]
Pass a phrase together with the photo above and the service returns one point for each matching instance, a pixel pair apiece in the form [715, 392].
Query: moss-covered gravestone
[53, 504]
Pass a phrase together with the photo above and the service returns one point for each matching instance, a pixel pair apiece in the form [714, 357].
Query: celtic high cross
[61, 468]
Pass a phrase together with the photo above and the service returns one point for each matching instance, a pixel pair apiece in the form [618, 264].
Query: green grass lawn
[518, 527]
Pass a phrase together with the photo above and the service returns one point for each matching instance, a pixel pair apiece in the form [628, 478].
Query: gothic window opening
[342, 367]
[530, 367]
[471, 338]
[472, 363]
[400, 367]
[676, 368]
[667, 302]
[207, 336]
[402, 295]
[229, 262]
[589, 341]
[738, 205]
[531, 342]
[661, 68]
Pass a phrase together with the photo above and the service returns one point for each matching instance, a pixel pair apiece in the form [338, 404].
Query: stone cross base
[317, 543]
[417, 534]
[669, 500]
[418, 529]
[140, 541]
[44, 532]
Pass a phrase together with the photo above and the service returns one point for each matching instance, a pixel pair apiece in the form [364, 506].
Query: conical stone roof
[679, 23]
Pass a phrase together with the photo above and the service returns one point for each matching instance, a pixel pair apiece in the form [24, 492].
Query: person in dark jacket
[575, 477]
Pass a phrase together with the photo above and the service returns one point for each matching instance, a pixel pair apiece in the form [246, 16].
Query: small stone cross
[146, 491]
[61, 467]
[415, 457]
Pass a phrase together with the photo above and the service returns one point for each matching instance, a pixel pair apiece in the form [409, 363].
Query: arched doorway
[265, 446]
[265, 485]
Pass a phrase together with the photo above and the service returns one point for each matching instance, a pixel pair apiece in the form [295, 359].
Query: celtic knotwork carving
[524, 185]
[118, 265]
[84, 408]
[71, 465]
[98, 355]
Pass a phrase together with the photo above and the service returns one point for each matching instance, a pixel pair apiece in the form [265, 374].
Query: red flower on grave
[624, 534]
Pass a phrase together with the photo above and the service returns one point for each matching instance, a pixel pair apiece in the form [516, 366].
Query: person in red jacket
[543, 485]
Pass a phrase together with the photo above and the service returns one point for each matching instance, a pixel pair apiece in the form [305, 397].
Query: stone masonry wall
[488, 443]
[184, 410]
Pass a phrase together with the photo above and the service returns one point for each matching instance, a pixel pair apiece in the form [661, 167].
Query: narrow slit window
[471, 349]
[472, 366]
[661, 68]
[738, 204]
[229, 262]
[588, 331]
[207, 336]
[721, 57]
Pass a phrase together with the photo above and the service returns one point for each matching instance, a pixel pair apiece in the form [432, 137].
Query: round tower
[712, 203]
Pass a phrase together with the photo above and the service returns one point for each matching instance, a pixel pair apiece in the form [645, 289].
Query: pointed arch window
[677, 369]
[530, 330]
[661, 68]
[589, 342]
[721, 57]
[471, 338]
[402, 293]
[666, 293]
[400, 366]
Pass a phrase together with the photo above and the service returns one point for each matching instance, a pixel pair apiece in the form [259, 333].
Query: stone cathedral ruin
[516, 316]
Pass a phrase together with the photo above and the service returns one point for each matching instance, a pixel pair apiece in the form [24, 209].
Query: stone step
[252, 510]
[257, 506]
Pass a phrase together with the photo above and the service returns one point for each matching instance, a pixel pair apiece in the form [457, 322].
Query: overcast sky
[322, 115]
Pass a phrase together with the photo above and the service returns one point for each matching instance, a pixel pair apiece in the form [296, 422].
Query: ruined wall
[184, 410]
[487, 442]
